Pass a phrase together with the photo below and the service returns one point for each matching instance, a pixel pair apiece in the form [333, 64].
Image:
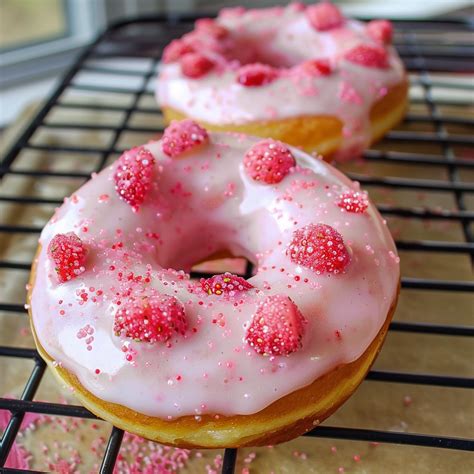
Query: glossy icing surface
[284, 38]
[200, 203]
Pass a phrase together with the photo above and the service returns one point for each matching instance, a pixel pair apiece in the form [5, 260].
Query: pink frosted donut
[307, 76]
[213, 362]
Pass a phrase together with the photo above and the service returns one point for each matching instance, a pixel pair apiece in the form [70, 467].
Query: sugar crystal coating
[353, 201]
[254, 75]
[68, 254]
[176, 50]
[225, 284]
[317, 67]
[268, 161]
[195, 65]
[380, 30]
[133, 176]
[368, 56]
[210, 27]
[277, 327]
[324, 16]
[154, 319]
[319, 247]
[182, 136]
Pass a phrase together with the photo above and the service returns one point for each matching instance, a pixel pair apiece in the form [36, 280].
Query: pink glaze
[282, 38]
[188, 215]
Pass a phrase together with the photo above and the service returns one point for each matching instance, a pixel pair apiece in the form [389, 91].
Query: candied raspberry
[277, 327]
[227, 284]
[380, 30]
[176, 50]
[195, 65]
[182, 136]
[253, 75]
[368, 56]
[68, 254]
[354, 201]
[211, 27]
[268, 161]
[153, 319]
[317, 67]
[324, 16]
[133, 176]
[319, 247]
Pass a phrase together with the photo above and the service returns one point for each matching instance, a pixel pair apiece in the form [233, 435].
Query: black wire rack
[427, 47]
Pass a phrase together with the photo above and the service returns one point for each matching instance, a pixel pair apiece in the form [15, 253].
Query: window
[26, 22]
[40, 37]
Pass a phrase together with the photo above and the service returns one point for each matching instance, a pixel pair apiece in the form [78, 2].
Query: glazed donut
[222, 361]
[304, 75]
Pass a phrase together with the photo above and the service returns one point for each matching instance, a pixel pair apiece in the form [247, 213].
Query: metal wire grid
[145, 37]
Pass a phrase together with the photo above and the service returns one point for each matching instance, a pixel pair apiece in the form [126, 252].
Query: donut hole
[223, 262]
[281, 44]
[250, 49]
[190, 241]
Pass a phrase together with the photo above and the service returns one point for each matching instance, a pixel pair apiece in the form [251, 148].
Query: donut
[306, 76]
[221, 361]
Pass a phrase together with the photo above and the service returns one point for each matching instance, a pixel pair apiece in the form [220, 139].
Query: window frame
[85, 19]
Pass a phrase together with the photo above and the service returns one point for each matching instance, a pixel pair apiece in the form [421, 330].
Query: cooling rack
[427, 47]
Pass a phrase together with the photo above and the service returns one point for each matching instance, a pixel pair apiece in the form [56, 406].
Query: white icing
[219, 372]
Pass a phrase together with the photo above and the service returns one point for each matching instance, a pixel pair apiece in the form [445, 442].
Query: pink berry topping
[268, 161]
[319, 247]
[195, 65]
[210, 27]
[68, 254]
[368, 56]
[225, 284]
[176, 50]
[183, 136]
[277, 327]
[154, 319]
[380, 30]
[353, 201]
[254, 75]
[133, 176]
[317, 67]
[324, 16]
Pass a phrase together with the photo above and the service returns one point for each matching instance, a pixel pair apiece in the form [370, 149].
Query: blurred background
[39, 39]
